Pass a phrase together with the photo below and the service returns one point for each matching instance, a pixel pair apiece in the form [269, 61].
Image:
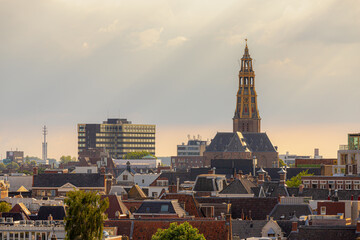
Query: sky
[175, 64]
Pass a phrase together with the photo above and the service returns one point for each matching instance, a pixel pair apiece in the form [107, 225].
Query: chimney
[279, 199]
[294, 227]
[102, 170]
[177, 184]
[50, 217]
[250, 215]
[301, 188]
[242, 214]
[261, 174]
[240, 174]
[35, 170]
[358, 227]
[282, 174]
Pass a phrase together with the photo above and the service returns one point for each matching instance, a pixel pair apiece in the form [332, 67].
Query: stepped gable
[245, 228]
[77, 179]
[288, 211]
[220, 142]
[258, 142]
[239, 186]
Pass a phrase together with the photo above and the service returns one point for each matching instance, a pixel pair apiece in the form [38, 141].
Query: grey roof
[287, 211]
[76, 179]
[208, 182]
[220, 142]
[274, 189]
[246, 229]
[155, 207]
[57, 212]
[239, 186]
[230, 142]
[17, 181]
[322, 194]
[258, 142]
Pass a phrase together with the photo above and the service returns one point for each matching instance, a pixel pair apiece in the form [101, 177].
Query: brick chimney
[282, 174]
[358, 227]
[261, 174]
[294, 227]
[35, 171]
[102, 170]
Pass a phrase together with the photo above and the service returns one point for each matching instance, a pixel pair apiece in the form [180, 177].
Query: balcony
[343, 147]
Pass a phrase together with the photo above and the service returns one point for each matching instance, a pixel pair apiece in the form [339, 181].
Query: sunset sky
[175, 64]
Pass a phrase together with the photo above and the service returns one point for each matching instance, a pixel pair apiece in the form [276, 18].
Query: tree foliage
[2, 166]
[137, 155]
[67, 159]
[13, 165]
[281, 163]
[85, 215]
[5, 207]
[183, 231]
[296, 180]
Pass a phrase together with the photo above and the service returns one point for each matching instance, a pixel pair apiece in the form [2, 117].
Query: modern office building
[195, 147]
[15, 156]
[190, 155]
[117, 136]
[349, 156]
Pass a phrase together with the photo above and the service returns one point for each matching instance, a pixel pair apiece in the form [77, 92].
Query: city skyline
[175, 65]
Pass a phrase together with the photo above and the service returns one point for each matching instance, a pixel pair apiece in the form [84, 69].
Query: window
[164, 208]
[89, 171]
[125, 177]
[323, 210]
[340, 187]
[53, 193]
[142, 180]
[348, 186]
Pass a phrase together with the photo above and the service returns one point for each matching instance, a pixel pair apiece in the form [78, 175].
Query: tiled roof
[220, 142]
[258, 142]
[56, 180]
[144, 229]
[325, 232]
[274, 189]
[115, 205]
[156, 207]
[191, 205]
[57, 212]
[247, 228]
[258, 208]
[287, 211]
[239, 186]
[136, 193]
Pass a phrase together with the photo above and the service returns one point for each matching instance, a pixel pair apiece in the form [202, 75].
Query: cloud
[147, 38]
[178, 41]
[110, 28]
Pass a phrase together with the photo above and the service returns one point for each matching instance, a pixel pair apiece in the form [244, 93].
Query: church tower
[246, 118]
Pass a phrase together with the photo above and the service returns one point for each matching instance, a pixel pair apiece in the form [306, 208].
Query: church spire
[246, 117]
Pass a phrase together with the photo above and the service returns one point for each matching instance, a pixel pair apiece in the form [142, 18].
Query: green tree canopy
[84, 215]
[2, 166]
[296, 180]
[33, 163]
[281, 163]
[67, 159]
[13, 165]
[137, 155]
[183, 231]
[5, 207]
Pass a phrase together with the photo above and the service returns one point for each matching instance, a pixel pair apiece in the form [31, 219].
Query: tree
[183, 231]
[84, 215]
[137, 155]
[296, 180]
[2, 166]
[13, 165]
[281, 163]
[67, 159]
[33, 163]
[5, 207]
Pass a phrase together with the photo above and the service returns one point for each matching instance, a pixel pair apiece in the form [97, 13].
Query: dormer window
[164, 208]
